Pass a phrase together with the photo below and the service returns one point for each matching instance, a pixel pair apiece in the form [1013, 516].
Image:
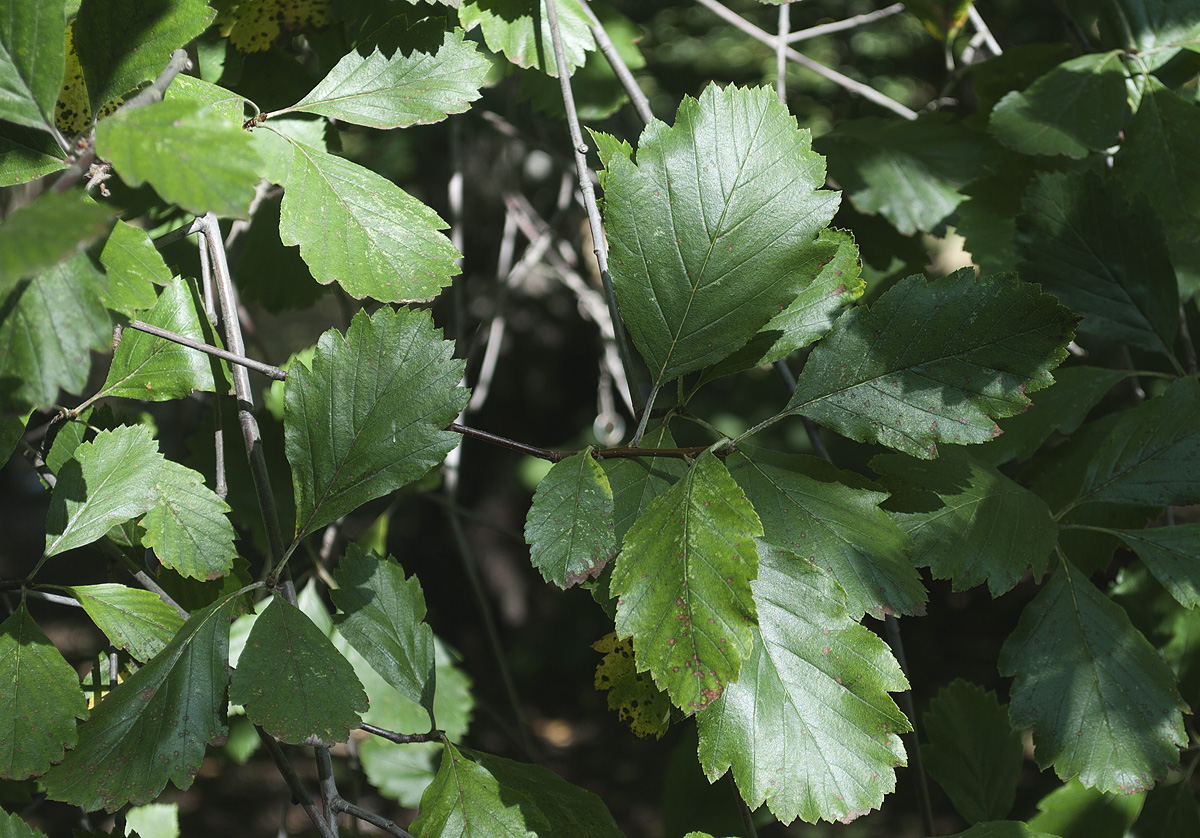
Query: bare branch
[640, 103]
[269, 371]
[300, 795]
[785, 24]
[404, 738]
[842, 25]
[982, 28]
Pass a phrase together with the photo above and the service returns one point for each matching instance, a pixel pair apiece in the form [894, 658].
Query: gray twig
[300, 795]
[329, 792]
[982, 28]
[258, 366]
[403, 738]
[641, 104]
[342, 805]
[842, 25]
[785, 25]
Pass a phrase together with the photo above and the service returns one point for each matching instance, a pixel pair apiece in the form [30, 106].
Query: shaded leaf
[228, 105]
[1168, 810]
[396, 92]
[638, 702]
[570, 527]
[1074, 811]
[39, 699]
[11, 826]
[1173, 555]
[934, 360]
[636, 481]
[973, 753]
[360, 230]
[683, 582]
[187, 527]
[256, 24]
[294, 683]
[520, 31]
[832, 518]
[26, 154]
[32, 56]
[942, 18]
[133, 267]
[554, 807]
[1153, 29]
[155, 725]
[133, 619]
[989, 528]
[44, 233]
[367, 417]
[710, 228]
[187, 152]
[1102, 703]
[809, 727]
[382, 617]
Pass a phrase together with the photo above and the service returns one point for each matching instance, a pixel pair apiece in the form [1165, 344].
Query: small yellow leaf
[254, 25]
[638, 702]
[72, 113]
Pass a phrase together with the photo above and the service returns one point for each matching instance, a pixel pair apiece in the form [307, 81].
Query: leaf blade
[133, 619]
[569, 528]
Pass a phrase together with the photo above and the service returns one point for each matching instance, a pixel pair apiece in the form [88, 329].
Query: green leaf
[1173, 555]
[39, 696]
[382, 617]
[551, 805]
[1153, 29]
[1102, 703]
[32, 57]
[50, 326]
[368, 416]
[832, 519]
[1073, 811]
[636, 481]
[934, 360]
[1168, 810]
[988, 529]
[187, 528]
[154, 820]
[155, 725]
[134, 620]
[638, 702]
[942, 18]
[122, 43]
[519, 29]
[109, 480]
[1077, 107]
[396, 92]
[294, 682]
[909, 172]
[1103, 256]
[133, 267]
[11, 826]
[360, 230]
[229, 105]
[570, 527]
[1001, 829]
[809, 727]
[709, 230]
[27, 154]
[972, 753]
[683, 582]
[187, 152]
[44, 233]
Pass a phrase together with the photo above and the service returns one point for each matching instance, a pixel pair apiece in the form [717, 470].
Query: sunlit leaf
[31, 60]
[1173, 555]
[253, 25]
[570, 527]
[520, 30]
[135, 620]
[187, 527]
[26, 154]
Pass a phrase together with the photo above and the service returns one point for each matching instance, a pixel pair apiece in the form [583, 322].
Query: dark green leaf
[134, 620]
[11, 826]
[1173, 556]
[109, 480]
[382, 614]
[122, 43]
[683, 582]
[133, 267]
[1152, 29]
[39, 699]
[187, 152]
[1077, 107]
[396, 92]
[360, 230]
[155, 726]
[809, 727]
[519, 29]
[32, 57]
[908, 171]
[973, 753]
[553, 807]
[188, 528]
[26, 154]
[1073, 811]
[989, 528]
[1169, 810]
[368, 417]
[832, 519]
[1175, 630]
[934, 360]
[987, 220]
[12, 428]
[570, 527]
[44, 233]
[294, 683]
[709, 230]
[1102, 703]
[1103, 256]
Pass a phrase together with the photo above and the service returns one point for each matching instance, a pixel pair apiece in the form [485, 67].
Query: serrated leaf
[368, 416]
[123, 43]
[151, 368]
[832, 518]
[39, 699]
[294, 682]
[396, 92]
[187, 528]
[973, 753]
[108, 481]
[934, 360]
[274, 145]
[809, 727]
[553, 807]
[382, 617]
[636, 481]
[187, 152]
[229, 105]
[73, 110]
[133, 267]
[989, 528]
[133, 619]
[1103, 256]
[1173, 555]
[360, 230]
[683, 582]
[155, 725]
[11, 826]
[1102, 703]
[570, 529]
[1074, 811]
[26, 154]
[520, 30]
[42, 234]
[1077, 107]
[32, 55]
[638, 702]
[709, 229]
[908, 171]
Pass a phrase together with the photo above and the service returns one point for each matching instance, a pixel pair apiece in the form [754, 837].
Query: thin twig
[269, 371]
[340, 804]
[982, 28]
[848, 23]
[300, 795]
[622, 452]
[329, 792]
[641, 104]
[911, 739]
[785, 25]
[404, 738]
[196, 225]
[145, 580]
[57, 599]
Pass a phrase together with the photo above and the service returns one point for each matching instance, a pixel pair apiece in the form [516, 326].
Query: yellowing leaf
[254, 25]
[72, 111]
[639, 704]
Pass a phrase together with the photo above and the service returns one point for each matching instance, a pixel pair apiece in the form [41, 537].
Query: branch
[982, 28]
[258, 366]
[300, 795]
[403, 738]
[842, 25]
[340, 804]
[640, 103]
[623, 452]
[785, 24]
